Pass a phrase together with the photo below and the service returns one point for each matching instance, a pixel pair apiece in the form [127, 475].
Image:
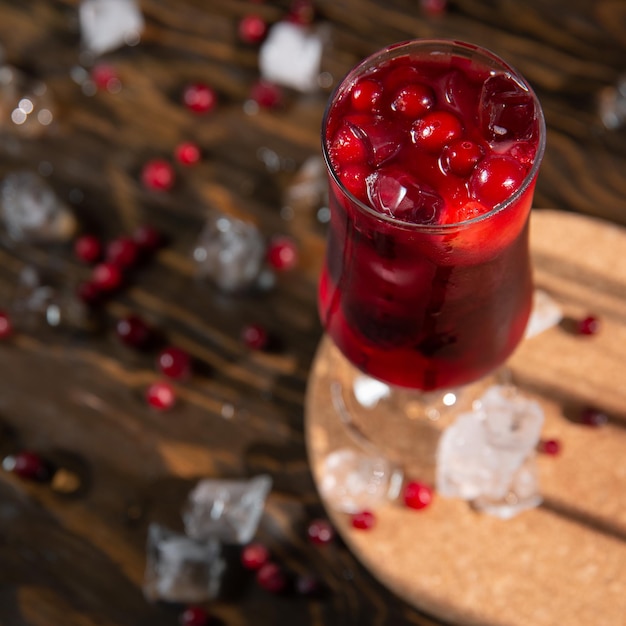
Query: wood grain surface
[77, 396]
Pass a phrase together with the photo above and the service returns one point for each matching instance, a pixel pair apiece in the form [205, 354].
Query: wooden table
[78, 396]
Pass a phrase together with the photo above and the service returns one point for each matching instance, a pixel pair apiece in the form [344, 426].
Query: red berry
[434, 7]
[417, 495]
[28, 465]
[254, 556]
[160, 396]
[435, 130]
[413, 100]
[461, 156]
[89, 293]
[147, 238]
[301, 12]
[174, 362]
[255, 336]
[252, 29]
[348, 146]
[363, 520]
[366, 94]
[199, 98]
[134, 332]
[194, 616]
[593, 417]
[495, 179]
[354, 179]
[272, 578]
[267, 95]
[551, 447]
[320, 531]
[107, 276]
[187, 153]
[158, 175]
[589, 325]
[105, 77]
[282, 253]
[123, 252]
[6, 327]
[88, 248]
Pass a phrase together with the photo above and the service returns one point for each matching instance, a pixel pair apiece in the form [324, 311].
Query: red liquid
[412, 292]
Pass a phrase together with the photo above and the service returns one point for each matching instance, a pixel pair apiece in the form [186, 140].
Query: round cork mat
[565, 561]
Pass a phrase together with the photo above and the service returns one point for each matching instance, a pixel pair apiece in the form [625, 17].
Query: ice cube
[230, 252]
[309, 189]
[291, 56]
[26, 105]
[507, 110]
[369, 391]
[612, 104]
[31, 211]
[545, 314]
[353, 481]
[228, 510]
[399, 195]
[109, 24]
[181, 569]
[486, 454]
[382, 140]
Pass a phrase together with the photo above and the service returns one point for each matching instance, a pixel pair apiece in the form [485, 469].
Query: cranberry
[320, 531]
[88, 248]
[364, 520]
[401, 76]
[551, 447]
[252, 29]
[147, 238]
[589, 325]
[194, 616]
[434, 7]
[158, 175]
[593, 417]
[254, 556]
[6, 327]
[28, 465]
[107, 277]
[160, 396]
[282, 253]
[271, 577]
[255, 336]
[105, 77]
[366, 94]
[122, 251]
[461, 156]
[417, 495]
[436, 129]
[354, 178]
[301, 12]
[495, 178]
[174, 362]
[199, 98]
[134, 332]
[89, 293]
[348, 146]
[266, 94]
[187, 153]
[413, 100]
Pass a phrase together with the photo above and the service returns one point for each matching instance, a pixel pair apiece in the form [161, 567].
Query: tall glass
[432, 150]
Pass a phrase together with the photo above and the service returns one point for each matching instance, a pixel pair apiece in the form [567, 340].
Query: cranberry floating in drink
[433, 150]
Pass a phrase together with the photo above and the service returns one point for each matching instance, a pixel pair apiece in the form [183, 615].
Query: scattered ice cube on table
[308, 190]
[612, 104]
[109, 24]
[230, 252]
[291, 56]
[353, 481]
[228, 510]
[31, 210]
[369, 391]
[487, 453]
[181, 569]
[545, 314]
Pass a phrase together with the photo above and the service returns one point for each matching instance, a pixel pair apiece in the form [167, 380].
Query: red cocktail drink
[433, 150]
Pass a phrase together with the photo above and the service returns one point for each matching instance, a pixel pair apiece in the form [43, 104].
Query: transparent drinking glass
[426, 288]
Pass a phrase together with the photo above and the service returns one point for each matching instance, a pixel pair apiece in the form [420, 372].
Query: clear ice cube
[109, 24]
[487, 454]
[308, 191]
[383, 141]
[181, 569]
[353, 481]
[507, 110]
[228, 510]
[31, 211]
[230, 252]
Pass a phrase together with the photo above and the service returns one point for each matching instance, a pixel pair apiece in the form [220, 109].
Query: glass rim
[452, 44]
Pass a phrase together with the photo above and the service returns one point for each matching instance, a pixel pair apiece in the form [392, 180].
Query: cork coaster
[565, 561]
